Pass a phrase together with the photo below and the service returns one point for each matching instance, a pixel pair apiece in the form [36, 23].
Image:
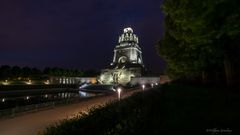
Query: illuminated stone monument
[127, 60]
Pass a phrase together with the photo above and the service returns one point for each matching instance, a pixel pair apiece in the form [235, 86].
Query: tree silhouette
[201, 37]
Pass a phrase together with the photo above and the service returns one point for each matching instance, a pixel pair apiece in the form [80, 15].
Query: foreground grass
[169, 109]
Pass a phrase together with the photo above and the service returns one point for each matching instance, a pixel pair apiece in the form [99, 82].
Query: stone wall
[145, 80]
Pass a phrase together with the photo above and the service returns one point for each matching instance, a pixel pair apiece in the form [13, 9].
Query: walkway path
[33, 123]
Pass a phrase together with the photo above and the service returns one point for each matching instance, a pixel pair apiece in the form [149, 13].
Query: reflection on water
[81, 93]
[15, 100]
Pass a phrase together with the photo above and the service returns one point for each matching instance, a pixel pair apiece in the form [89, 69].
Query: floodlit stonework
[127, 60]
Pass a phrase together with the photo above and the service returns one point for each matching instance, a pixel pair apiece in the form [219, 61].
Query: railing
[38, 107]
[7, 113]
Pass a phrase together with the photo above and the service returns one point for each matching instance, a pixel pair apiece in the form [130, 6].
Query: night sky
[76, 33]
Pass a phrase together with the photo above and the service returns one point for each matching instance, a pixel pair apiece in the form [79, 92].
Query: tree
[90, 73]
[5, 72]
[199, 36]
[46, 71]
[36, 73]
[26, 71]
[16, 72]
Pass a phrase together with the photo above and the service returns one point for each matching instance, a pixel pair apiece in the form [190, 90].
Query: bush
[171, 109]
[115, 118]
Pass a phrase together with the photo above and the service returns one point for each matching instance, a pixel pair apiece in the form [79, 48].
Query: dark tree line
[202, 40]
[25, 73]
[69, 72]
[62, 72]
[15, 72]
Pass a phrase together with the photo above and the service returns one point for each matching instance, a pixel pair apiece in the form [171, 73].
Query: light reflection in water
[83, 94]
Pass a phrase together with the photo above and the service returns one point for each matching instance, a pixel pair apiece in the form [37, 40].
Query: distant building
[127, 60]
[72, 80]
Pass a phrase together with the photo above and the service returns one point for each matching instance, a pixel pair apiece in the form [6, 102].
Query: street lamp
[143, 86]
[119, 93]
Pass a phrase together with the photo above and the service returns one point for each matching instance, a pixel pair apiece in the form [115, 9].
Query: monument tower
[127, 51]
[127, 60]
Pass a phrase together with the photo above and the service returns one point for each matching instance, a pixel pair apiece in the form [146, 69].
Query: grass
[192, 109]
[170, 109]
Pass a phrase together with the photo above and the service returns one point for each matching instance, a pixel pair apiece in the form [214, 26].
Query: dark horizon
[74, 34]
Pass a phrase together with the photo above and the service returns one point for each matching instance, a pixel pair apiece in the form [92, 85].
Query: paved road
[33, 123]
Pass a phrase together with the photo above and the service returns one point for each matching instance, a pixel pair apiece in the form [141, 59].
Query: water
[12, 99]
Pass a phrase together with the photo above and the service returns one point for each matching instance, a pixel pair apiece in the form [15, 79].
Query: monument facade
[127, 60]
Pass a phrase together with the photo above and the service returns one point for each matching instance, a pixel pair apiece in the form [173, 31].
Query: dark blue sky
[76, 33]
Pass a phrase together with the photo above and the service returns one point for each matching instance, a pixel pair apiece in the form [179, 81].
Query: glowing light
[152, 85]
[93, 80]
[143, 86]
[156, 83]
[129, 29]
[27, 97]
[3, 100]
[113, 89]
[46, 96]
[119, 93]
[29, 82]
[6, 82]
[47, 82]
